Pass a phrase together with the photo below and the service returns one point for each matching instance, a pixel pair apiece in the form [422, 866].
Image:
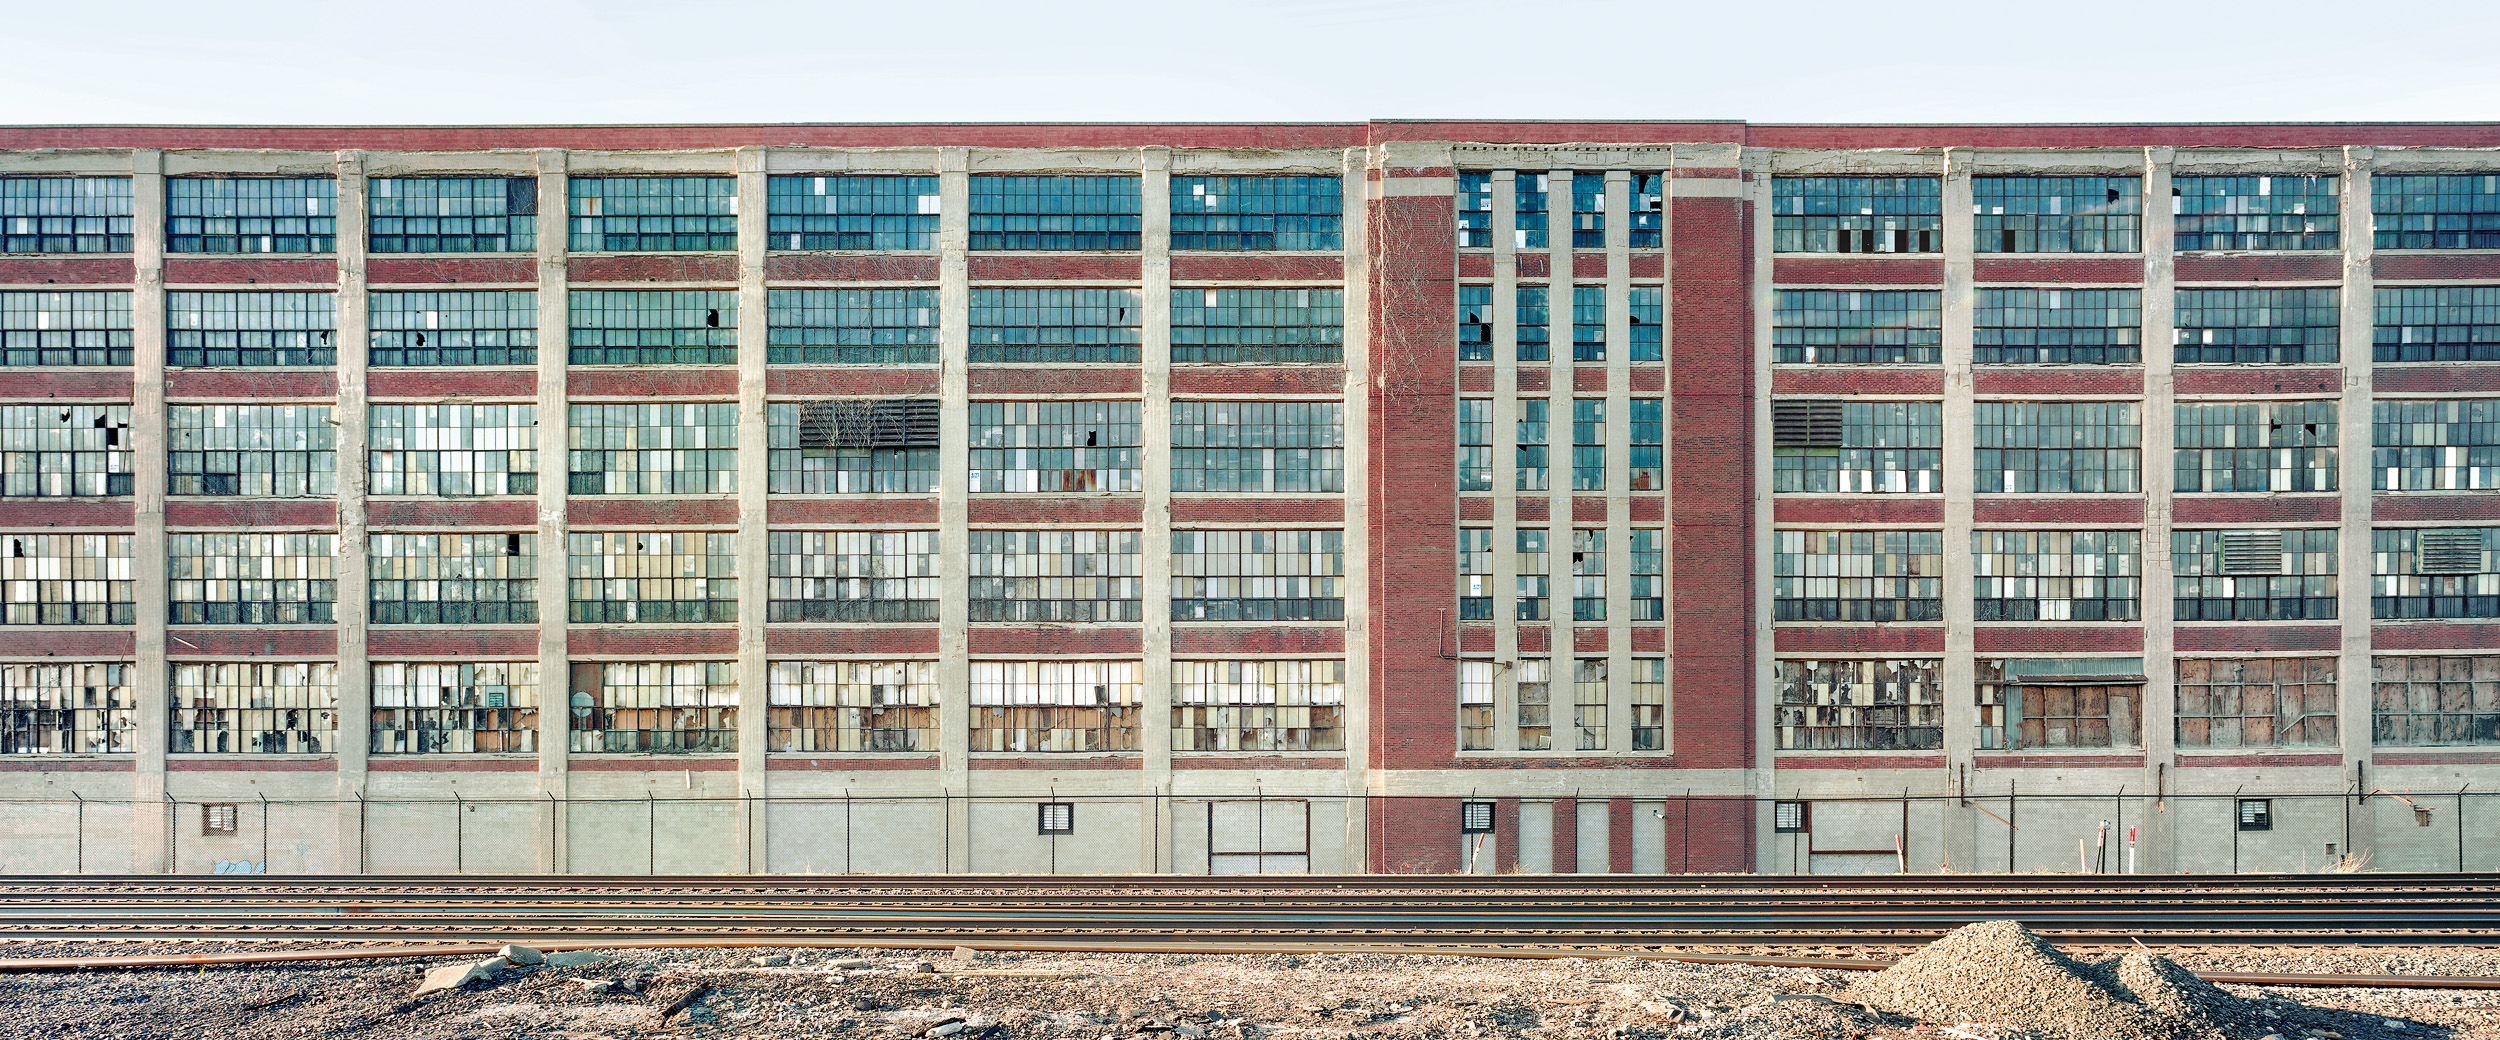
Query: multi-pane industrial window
[1475, 574]
[1258, 575]
[254, 709]
[1055, 576]
[2257, 702]
[1531, 567]
[2253, 575]
[653, 577]
[1588, 211]
[1061, 213]
[838, 212]
[1475, 444]
[478, 708]
[2255, 212]
[2087, 447]
[1055, 706]
[1831, 327]
[1588, 575]
[1258, 326]
[2057, 214]
[848, 706]
[1475, 705]
[454, 579]
[1475, 323]
[853, 446]
[1648, 687]
[1056, 446]
[238, 578]
[1055, 326]
[64, 451]
[1856, 214]
[260, 450]
[1648, 436]
[64, 328]
[2434, 573]
[652, 449]
[1235, 446]
[2258, 326]
[454, 328]
[1532, 694]
[2281, 446]
[1588, 703]
[1258, 705]
[853, 576]
[1856, 447]
[1258, 213]
[654, 707]
[1528, 210]
[852, 326]
[453, 214]
[1649, 211]
[1531, 446]
[1529, 327]
[1859, 705]
[67, 709]
[2059, 702]
[2451, 445]
[2436, 211]
[65, 214]
[251, 214]
[1649, 570]
[653, 214]
[1857, 575]
[2427, 701]
[1647, 310]
[452, 450]
[250, 329]
[2056, 576]
[67, 579]
[1475, 210]
[1588, 444]
[2445, 323]
[2058, 327]
[1588, 323]
[656, 327]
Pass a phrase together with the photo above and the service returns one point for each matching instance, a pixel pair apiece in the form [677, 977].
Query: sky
[1765, 61]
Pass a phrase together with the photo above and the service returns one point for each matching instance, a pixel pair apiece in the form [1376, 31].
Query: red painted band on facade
[1885, 271]
[457, 644]
[2034, 639]
[67, 512]
[1848, 382]
[266, 512]
[230, 271]
[2197, 638]
[651, 642]
[2255, 509]
[1861, 639]
[651, 512]
[1872, 510]
[515, 271]
[208, 384]
[1312, 379]
[308, 643]
[1994, 509]
[1054, 641]
[516, 513]
[820, 267]
[852, 641]
[851, 511]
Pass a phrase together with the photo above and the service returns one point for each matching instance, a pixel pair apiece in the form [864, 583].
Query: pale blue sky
[645, 61]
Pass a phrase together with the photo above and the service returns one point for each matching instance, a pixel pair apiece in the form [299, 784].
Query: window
[2255, 212]
[1057, 817]
[1475, 323]
[230, 708]
[1791, 817]
[2089, 447]
[1588, 323]
[1649, 703]
[2256, 814]
[1530, 330]
[64, 328]
[653, 214]
[67, 579]
[2282, 446]
[1859, 705]
[1055, 326]
[2057, 214]
[854, 213]
[1588, 575]
[853, 706]
[484, 708]
[1532, 690]
[454, 579]
[1531, 466]
[1531, 571]
[654, 707]
[2058, 327]
[1648, 313]
[2252, 575]
[2434, 573]
[653, 577]
[1258, 575]
[1269, 446]
[851, 326]
[1258, 326]
[1475, 574]
[1857, 575]
[453, 214]
[2447, 323]
[652, 449]
[1032, 707]
[853, 576]
[1828, 327]
[1475, 444]
[251, 214]
[1475, 817]
[241, 578]
[2451, 445]
[1475, 210]
[250, 329]
[1258, 213]
[1648, 216]
[65, 214]
[1057, 446]
[1856, 214]
[1588, 702]
[1528, 210]
[1475, 705]
[454, 328]
[2435, 701]
[1649, 570]
[2257, 702]
[64, 451]
[1588, 445]
[2258, 326]
[1258, 705]
[1055, 576]
[218, 818]
[1588, 211]
[853, 446]
[657, 327]
[452, 450]
[1059, 213]
[262, 450]
[2057, 576]
[87, 708]
[2436, 211]
[2060, 703]
[1649, 444]
[1857, 447]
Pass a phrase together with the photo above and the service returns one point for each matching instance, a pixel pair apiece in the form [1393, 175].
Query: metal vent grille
[1058, 817]
[898, 423]
[1475, 817]
[2449, 552]
[1805, 424]
[2252, 552]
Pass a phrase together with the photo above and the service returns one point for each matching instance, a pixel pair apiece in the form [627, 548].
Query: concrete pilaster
[554, 676]
[754, 476]
[353, 342]
[2354, 702]
[1961, 736]
[1358, 500]
[1562, 661]
[1154, 189]
[1505, 438]
[151, 680]
[2159, 708]
[954, 717]
[1618, 211]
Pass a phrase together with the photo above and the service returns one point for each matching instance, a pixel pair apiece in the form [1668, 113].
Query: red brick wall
[1032, 382]
[2037, 639]
[643, 383]
[28, 270]
[2016, 509]
[2420, 267]
[788, 511]
[25, 385]
[237, 271]
[1028, 509]
[459, 644]
[1820, 270]
[651, 512]
[1314, 379]
[1539, 264]
[2417, 635]
[2436, 508]
[1713, 483]
[1619, 835]
[2193, 638]
[1413, 690]
[68, 643]
[2321, 268]
[1848, 382]
[20, 512]
[1874, 510]
[386, 513]
[1506, 835]
[1567, 835]
[1122, 270]
[1211, 641]
[860, 641]
[804, 267]
[216, 385]
[1861, 639]
[1259, 510]
[2042, 270]
[2436, 379]
[879, 381]
[250, 512]
[2126, 382]
[1055, 640]
[434, 385]
[1304, 269]
[655, 641]
[713, 268]
[310, 643]
[514, 271]
[2242, 509]
[1413, 835]
[2191, 379]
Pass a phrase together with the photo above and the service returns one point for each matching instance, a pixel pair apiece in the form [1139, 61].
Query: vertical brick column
[1566, 831]
[1154, 191]
[554, 679]
[1506, 835]
[954, 676]
[1618, 835]
[151, 681]
[2159, 705]
[355, 694]
[2354, 702]
[754, 482]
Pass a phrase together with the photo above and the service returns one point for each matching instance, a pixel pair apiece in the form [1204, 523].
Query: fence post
[264, 830]
[552, 809]
[650, 833]
[173, 835]
[82, 831]
[459, 834]
[2460, 814]
[364, 841]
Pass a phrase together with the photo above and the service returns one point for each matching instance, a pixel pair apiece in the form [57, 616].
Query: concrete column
[754, 476]
[1762, 779]
[554, 678]
[1562, 659]
[1505, 462]
[1358, 501]
[151, 681]
[355, 694]
[954, 676]
[2160, 702]
[2354, 440]
[1618, 210]
[1960, 716]
[1154, 189]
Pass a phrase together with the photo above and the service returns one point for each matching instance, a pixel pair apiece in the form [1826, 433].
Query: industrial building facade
[1399, 497]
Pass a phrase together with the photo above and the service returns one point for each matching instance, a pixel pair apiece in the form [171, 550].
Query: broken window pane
[1649, 703]
[1834, 327]
[853, 576]
[2057, 576]
[250, 329]
[2060, 703]
[2058, 327]
[61, 451]
[67, 579]
[2436, 210]
[2446, 323]
[1258, 705]
[654, 707]
[2282, 446]
[1264, 446]
[1475, 705]
[655, 327]
[232, 708]
[2256, 702]
[1530, 329]
[2057, 448]
[1859, 705]
[1258, 326]
[1475, 323]
[853, 446]
[1258, 213]
[2256, 212]
[455, 709]
[1475, 210]
[1648, 217]
[1530, 568]
[852, 326]
[453, 214]
[1056, 326]
[1475, 444]
[2435, 701]
[2258, 326]
[65, 214]
[853, 706]
[452, 450]
[1533, 691]
[1531, 447]
[2057, 214]
[851, 212]
[2434, 573]
[239, 578]
[1055, 576]
[1856, 214]
[1056, 446]
[2451, 445]
[1588, 575]
[1033, 707]
[1055, 213]
[454, 579]
[64, 328]
[1588, 211]
[1857, 447]
[1588, 702]
[1529, 216]
[1475, 574]
[653, 214]
[67, 709]
[1258, 575]
[1649, 563]
[261, 450]
[2253, 575]
[652, 449]
[251, 214]
[454, 328]
[1857, 575]
[653, 577]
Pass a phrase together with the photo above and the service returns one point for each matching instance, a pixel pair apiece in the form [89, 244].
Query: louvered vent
[904, 423]
[2449, 552]
[1805, 424]
[2252, 552]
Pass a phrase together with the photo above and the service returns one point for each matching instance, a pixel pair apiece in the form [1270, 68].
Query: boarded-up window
[2060, 703]
[2257, 702]
[2435, 701]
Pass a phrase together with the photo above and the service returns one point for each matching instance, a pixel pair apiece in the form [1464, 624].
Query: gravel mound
[1997, 972]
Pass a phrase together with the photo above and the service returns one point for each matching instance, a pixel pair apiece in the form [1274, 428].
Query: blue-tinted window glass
[1475, 323]
[455, 328]
[1648, 217]
[452, 214]
[1529, 216]
[852, 327]
[251, 214]
[2057, 214]
[64, 328]
[1475, 210]
[1531, 327]
[238, 329]
[2436, 211]
[2437, 323]
[2081, 447]
[2258, 326]
[1258, 325]
[886, 212]
[2058, 327]
[65, 214]
[1055, 325]
[1828, 327]
[1588, 211]
[1588, 323]
[1856, 214]
[656, 327]
[2255, 212]
[1055, 213]
[1649, 316]
[653, 214]
[1258, 213]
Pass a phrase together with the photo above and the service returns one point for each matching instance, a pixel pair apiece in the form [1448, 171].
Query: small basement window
[1058, 817]
[2256, 814]
[1791, 817]
[218, 818]
[1475, 817]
